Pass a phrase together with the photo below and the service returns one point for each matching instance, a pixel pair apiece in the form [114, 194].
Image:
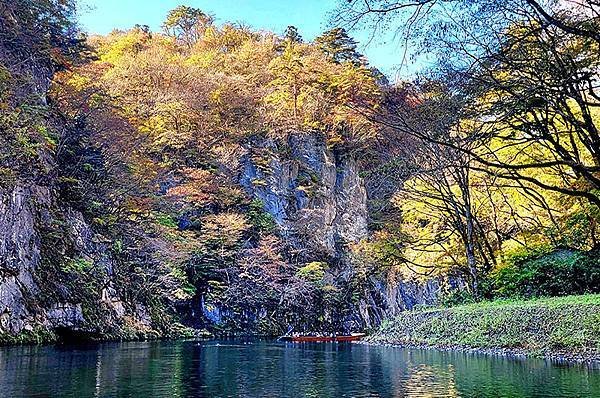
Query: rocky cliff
[34, 299]
[319, 200]
[59, 275]
[388, 298]
[315, 194]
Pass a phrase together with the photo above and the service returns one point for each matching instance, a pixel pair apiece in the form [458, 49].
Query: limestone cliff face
[32, 297]
[19, 257]
[389, 298]
[319, 201]
[315, 195]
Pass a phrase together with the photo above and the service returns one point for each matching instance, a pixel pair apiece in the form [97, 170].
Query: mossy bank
[559, 328]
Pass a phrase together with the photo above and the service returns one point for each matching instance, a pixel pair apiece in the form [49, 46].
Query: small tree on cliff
[339, 46]
[187, 24]
[292, 35]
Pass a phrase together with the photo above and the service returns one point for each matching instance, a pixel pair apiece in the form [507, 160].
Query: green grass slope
[565, 326]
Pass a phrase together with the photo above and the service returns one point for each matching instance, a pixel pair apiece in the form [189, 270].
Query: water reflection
[268, 369]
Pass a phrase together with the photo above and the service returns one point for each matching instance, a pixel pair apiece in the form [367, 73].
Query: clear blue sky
[309, 16]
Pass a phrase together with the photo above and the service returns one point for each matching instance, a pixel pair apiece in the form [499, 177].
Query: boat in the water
[322, 339]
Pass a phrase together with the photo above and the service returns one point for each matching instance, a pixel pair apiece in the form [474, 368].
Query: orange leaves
[199, 187]
[265, 259]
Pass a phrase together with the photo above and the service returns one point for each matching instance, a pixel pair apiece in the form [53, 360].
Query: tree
[43, 31]
[339, 46]
[529, 67]
[290, 74]
[513, 158]
[292, 35]
[441, 221]
[455, 217]
[187, 24]
[37, 39]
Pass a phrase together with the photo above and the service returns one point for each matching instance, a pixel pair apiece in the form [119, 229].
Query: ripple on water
[258, 368]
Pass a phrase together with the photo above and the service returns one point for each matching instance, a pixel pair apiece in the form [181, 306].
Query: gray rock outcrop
[315, 195]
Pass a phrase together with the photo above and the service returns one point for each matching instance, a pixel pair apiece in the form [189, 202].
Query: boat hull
[321, 339]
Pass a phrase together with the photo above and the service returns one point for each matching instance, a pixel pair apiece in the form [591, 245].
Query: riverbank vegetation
[501, 131]
[566, 327]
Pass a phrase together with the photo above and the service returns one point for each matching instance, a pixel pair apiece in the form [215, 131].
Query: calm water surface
[271, 369]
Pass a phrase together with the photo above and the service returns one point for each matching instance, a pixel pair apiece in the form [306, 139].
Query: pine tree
[292, 35]
[339, 46]
[187, 24]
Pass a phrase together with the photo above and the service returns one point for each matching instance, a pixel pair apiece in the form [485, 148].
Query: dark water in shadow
[270, 369]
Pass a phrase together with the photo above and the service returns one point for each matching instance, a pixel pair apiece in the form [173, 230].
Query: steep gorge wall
[35, 300]
[318, 198]
[315, 195]
[43, 239]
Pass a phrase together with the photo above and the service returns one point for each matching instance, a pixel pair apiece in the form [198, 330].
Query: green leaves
[259, 218]
[339, 46]
[548, 273]
[78, 265]
[313, 272]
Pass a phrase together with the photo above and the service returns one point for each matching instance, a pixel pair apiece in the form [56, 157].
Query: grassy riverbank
[561, 327]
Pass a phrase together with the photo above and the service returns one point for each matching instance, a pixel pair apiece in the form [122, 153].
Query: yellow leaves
[79, 82]
[334, 140]
[294, 96]
[227, 39]
[355, 84]
[216, 96]
[5, 83]
[310, 92]
[169, 127]
[155, 126]
[75, 90]
[232, 81]
[258, 182]
[227, 228]
[313, 272]
[118, 46]
[251, 59]
[209, 59]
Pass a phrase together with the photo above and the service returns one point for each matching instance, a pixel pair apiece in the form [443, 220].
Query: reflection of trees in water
[184, 369]
[457, 374]
[415, 373]
[426, 381]
[138, 366]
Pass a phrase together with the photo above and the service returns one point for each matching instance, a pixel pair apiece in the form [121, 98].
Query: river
[271, 369]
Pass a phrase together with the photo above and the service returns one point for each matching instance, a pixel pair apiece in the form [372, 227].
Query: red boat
[322, 339]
